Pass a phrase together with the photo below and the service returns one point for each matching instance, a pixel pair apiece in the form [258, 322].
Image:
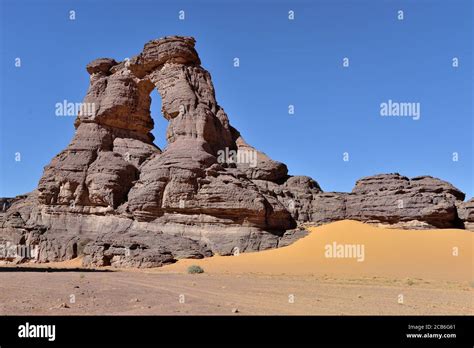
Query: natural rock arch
[110, 147]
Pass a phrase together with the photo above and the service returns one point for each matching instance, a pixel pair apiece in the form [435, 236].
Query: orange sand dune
[390, 253]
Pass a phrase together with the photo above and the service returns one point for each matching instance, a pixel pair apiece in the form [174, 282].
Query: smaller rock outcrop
[388, 199]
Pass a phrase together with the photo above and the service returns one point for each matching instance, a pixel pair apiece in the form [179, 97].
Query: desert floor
[403, 272]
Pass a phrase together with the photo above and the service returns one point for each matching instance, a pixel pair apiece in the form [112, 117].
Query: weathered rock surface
[466, 213]
[391, 199]
[117, 199]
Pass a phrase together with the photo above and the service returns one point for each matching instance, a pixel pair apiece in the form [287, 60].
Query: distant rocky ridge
[117, 199]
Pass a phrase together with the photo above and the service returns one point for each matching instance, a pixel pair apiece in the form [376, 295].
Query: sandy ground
[402, 272]
[427, 254]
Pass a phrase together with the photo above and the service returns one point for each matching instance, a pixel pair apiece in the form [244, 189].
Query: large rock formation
[116, 198]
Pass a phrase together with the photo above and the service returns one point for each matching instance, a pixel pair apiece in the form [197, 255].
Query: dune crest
[393, 253]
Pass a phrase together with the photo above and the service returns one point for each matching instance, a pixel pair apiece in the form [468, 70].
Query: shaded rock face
[117, 199]
[5, 203]
[466, 213]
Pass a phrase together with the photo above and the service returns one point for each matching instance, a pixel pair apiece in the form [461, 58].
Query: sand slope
[388, 253]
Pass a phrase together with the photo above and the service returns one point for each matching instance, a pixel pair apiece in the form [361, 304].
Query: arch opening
[160, 123]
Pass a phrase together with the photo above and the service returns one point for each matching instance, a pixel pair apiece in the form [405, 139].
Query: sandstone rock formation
[117, 199]
[387, 199]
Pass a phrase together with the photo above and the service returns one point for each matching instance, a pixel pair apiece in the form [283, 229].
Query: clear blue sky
[282, 62]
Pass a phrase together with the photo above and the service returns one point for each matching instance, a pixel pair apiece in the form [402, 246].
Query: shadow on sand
[50, 269]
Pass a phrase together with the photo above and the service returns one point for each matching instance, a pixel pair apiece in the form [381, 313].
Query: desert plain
[401, 272]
